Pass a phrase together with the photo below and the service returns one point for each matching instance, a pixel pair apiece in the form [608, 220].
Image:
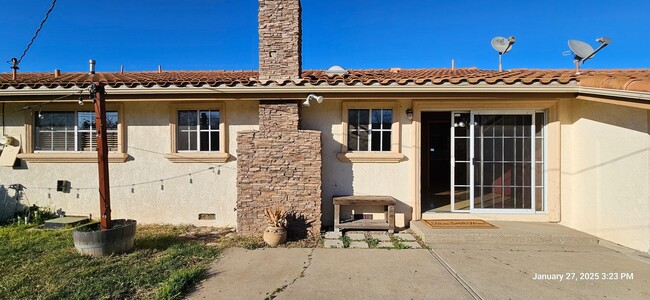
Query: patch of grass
[346, 241]
[372, 242]
[397, 243]
[43, 264]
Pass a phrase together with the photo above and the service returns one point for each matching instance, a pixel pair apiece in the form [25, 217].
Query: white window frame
[45, 156]
[392, 156]
[192, 156]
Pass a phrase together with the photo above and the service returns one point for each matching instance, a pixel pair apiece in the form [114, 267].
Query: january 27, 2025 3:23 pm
[571, 276]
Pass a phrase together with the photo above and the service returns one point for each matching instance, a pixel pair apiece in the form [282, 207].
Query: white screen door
[493, 162]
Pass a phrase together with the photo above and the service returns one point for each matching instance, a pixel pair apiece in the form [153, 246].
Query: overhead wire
[29, 45]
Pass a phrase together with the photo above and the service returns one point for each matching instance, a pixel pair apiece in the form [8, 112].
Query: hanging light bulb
[40, 114]
[81, 99]
[190, 178]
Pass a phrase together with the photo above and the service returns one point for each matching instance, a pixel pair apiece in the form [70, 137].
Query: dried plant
[276, 216]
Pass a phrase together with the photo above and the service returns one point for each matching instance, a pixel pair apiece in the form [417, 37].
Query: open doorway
[435, 175]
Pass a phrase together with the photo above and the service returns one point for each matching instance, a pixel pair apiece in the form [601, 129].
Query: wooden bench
[386, 201]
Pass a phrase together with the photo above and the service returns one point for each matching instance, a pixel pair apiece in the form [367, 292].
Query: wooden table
[387, 201]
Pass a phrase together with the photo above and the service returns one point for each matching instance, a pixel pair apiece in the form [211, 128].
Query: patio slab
[382, 237]
[405, 237]
[356, 236]
[542, 260]
[332, 235]
[359, 245]
[332, 244]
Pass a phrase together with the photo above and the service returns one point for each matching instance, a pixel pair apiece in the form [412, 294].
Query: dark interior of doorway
[435, 175]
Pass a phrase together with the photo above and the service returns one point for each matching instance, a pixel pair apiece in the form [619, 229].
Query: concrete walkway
[504, 263]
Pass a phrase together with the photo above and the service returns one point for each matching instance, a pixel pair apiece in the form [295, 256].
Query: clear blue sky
[359, 34]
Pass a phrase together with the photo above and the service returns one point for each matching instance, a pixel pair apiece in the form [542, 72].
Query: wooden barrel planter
[99, 243]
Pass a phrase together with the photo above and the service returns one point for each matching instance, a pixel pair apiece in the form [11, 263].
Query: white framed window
[67, 133]
[198, 130]
[370, 132]
[198, 133]
[72, 131]
[369, 129]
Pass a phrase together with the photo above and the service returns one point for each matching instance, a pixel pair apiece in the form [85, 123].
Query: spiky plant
[276, 217]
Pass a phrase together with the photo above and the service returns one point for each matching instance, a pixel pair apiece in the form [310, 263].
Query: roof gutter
[443, 88]
[350, 89]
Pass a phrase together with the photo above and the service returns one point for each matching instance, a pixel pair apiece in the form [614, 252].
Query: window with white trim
[198, 130]
[72, 131]
[369, 129]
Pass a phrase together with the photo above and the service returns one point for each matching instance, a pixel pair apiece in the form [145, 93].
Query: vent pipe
[92, 66]
[57, 73]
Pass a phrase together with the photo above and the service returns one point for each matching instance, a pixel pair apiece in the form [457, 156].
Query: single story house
[216, 147]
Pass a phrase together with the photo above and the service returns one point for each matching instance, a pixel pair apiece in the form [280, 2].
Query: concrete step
[508, 232]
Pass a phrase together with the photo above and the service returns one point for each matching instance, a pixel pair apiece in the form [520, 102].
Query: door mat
[459, 224]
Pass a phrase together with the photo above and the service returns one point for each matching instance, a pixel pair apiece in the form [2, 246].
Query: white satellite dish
[583, 51]
[502, 45]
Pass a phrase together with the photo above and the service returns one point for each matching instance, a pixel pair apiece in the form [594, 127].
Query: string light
[132, 185]
[40, 114]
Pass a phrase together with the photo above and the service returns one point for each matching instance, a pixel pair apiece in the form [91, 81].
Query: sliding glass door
[494, 162]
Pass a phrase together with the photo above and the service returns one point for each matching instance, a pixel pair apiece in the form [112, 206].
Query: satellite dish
[583, 51]
[580, 49]
[502, 45]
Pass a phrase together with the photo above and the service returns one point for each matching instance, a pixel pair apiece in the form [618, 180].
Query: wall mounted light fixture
[318, 99]
[409, 113]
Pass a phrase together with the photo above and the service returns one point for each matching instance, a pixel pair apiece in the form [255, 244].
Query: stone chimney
[280, 44]
[279, 165]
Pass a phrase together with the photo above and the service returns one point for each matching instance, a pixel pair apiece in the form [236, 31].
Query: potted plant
[276, 233]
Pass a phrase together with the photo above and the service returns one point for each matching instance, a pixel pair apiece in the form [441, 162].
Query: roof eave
[299, 89]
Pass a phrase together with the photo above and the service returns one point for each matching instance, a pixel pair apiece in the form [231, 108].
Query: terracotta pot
[275, 236]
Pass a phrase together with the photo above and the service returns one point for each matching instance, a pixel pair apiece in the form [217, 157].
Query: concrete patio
[518, 260]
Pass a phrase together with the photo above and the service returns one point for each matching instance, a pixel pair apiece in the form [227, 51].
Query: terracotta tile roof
[631, 80]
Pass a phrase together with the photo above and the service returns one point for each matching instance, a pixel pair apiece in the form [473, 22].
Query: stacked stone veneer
[279, 39]
[279, 165]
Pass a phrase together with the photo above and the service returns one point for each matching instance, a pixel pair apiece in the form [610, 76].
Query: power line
[39, 105]
[47, 15]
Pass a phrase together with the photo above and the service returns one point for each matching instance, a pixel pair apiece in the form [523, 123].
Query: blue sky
[356, 34]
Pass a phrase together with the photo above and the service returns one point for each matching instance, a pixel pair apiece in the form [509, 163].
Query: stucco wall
[344, 178]
[147, 140]
[606, 158]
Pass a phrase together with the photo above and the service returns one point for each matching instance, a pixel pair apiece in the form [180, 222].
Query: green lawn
[43, 264]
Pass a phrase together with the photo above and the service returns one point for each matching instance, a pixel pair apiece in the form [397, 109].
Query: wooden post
[102, 157]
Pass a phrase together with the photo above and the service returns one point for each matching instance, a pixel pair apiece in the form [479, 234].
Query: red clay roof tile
[632, 80]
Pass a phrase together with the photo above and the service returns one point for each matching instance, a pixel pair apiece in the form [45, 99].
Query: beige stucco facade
[605, 171]
[596, 165]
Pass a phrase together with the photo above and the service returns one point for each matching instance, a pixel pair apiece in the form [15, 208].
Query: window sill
[70, 157]
[370, 157]
[198, 157]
